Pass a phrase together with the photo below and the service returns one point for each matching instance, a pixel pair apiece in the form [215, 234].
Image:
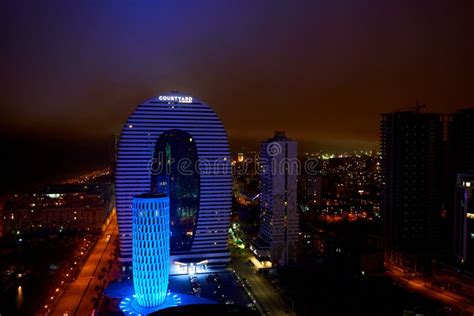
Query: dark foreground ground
[323, 290]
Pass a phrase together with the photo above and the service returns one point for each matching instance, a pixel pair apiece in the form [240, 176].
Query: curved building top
[168, 123]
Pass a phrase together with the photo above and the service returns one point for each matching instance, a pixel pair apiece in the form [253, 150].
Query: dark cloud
[323, 71]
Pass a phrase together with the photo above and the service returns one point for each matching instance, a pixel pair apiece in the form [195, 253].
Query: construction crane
[417, 107]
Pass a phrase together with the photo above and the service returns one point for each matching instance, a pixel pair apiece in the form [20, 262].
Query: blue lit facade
[151, 248]
[173, 127]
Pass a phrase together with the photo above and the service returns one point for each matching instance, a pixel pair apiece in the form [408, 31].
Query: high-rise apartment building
[278, 234]
[411, 148]
[459, 183]
[464, 219]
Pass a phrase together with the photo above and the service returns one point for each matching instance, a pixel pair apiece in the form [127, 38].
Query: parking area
[223, 287]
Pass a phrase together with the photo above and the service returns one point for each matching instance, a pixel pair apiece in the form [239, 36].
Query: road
[426, 289]
[77, 300]
[261, 288]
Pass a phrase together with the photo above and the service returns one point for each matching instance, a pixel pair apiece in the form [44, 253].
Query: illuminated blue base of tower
[129, 305]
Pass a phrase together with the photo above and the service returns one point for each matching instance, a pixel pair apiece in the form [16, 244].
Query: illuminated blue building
[162, 132]
[151, 248]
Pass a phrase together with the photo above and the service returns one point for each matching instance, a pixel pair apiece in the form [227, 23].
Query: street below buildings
[425, 288]
[264, 292]
[79, 296]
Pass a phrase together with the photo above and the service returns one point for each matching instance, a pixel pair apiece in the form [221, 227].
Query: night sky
[72, 71]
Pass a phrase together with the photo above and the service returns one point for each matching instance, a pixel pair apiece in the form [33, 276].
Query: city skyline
[140, 175]
[73, 73]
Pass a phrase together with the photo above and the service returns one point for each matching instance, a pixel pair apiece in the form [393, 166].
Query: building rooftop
[279, 136]
[151, 195]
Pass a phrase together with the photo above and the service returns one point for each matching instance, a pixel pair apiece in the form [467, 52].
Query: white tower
[278, 200]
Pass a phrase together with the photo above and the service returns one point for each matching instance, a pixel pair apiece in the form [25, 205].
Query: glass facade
[174, 173]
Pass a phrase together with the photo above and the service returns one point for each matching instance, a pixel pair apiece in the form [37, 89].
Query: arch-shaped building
[198, 179]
